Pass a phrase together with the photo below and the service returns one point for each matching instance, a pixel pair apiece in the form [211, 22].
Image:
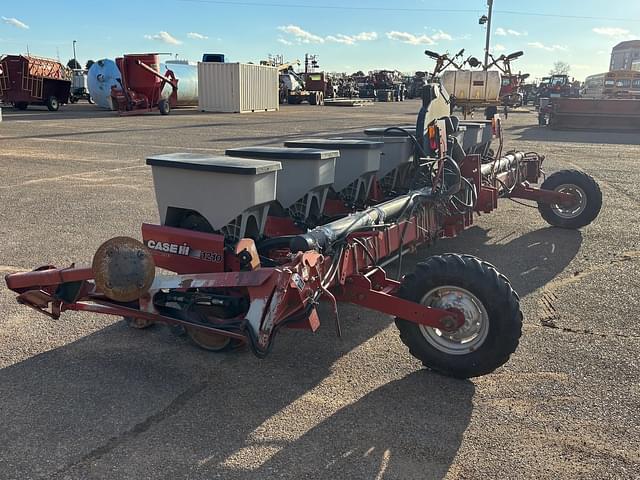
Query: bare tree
[560, 68]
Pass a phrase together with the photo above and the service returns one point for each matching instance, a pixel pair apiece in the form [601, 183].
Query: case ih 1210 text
[250, 255]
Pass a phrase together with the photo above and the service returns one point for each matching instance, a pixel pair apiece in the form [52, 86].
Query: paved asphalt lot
[85, 397]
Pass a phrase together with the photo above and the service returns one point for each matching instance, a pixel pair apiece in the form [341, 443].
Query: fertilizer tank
[187, 75]
[105, 73]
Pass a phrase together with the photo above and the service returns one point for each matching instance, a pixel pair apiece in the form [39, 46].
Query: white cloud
[197, 36]
[15, 22]
[409, 38]
[440, 35]
[164, 37]
[502, 32]
[548, 48]
[366, 36]
[301, 35]
[613, 32]
[351, 39]
[499, 48]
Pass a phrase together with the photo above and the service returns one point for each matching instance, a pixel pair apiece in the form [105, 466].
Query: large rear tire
[587, 192]
[493, 320]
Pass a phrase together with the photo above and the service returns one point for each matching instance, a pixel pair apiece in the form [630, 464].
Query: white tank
[187, 75]
[472, 86]
[101, 77]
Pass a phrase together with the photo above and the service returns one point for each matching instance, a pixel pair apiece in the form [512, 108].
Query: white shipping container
[467, 85]
[237, 87]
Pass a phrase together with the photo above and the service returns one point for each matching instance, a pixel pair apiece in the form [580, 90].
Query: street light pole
[75, 61]
[486, 47]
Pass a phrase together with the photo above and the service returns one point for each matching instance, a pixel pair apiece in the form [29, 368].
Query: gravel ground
[86, 397]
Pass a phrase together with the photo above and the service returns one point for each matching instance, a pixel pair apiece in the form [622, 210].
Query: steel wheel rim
[471, 335]
[570, 211]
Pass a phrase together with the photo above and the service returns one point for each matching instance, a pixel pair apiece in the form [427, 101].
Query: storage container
[237, 87]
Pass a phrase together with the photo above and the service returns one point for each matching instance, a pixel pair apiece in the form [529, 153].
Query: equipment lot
[86, 397]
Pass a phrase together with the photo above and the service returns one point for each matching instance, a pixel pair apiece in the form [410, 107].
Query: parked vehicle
[27, 80]
[622, 84]
[79, 88]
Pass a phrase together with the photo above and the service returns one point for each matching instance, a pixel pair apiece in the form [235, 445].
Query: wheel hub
[572, 209]
[471, 334]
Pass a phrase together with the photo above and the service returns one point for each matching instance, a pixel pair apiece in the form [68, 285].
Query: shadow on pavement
[142, 404]
[529, 261]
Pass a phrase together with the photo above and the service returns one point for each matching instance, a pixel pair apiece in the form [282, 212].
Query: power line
[404, 9]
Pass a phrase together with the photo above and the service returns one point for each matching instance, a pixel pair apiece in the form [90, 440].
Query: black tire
[164, 107]
[577, 182]
[72, 99]
[313, 99]
[52, 104]
[90, 100]
[500, 328]
[321, 98]
[21, 105]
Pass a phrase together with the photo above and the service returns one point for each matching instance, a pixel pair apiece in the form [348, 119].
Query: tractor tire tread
[483, 280]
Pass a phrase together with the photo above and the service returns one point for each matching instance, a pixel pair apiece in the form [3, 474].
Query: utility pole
[75, 61]
[486, 47]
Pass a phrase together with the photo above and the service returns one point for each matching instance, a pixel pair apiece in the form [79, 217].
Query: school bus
[622, 84]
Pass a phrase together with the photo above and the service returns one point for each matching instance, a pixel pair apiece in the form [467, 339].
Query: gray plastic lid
[283, 153]
[218, 164]
[380, 131]
[339, 143]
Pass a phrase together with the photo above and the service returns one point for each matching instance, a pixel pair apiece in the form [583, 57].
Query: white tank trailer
[104, 74]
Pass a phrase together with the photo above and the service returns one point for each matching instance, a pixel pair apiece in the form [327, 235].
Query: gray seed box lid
[283, 153]
[341, 144]
[217, 164]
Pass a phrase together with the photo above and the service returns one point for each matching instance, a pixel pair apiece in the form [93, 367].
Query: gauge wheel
[586, 207]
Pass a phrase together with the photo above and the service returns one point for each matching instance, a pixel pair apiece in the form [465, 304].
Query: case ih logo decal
[185, 250]
[169, 247]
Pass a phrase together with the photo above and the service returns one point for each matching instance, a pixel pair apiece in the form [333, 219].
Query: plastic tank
[103, 75]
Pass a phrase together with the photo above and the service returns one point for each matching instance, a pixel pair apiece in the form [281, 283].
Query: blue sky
[370, 35]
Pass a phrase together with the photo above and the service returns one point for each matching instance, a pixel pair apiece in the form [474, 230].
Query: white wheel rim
[471, 335]
[573, 210]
